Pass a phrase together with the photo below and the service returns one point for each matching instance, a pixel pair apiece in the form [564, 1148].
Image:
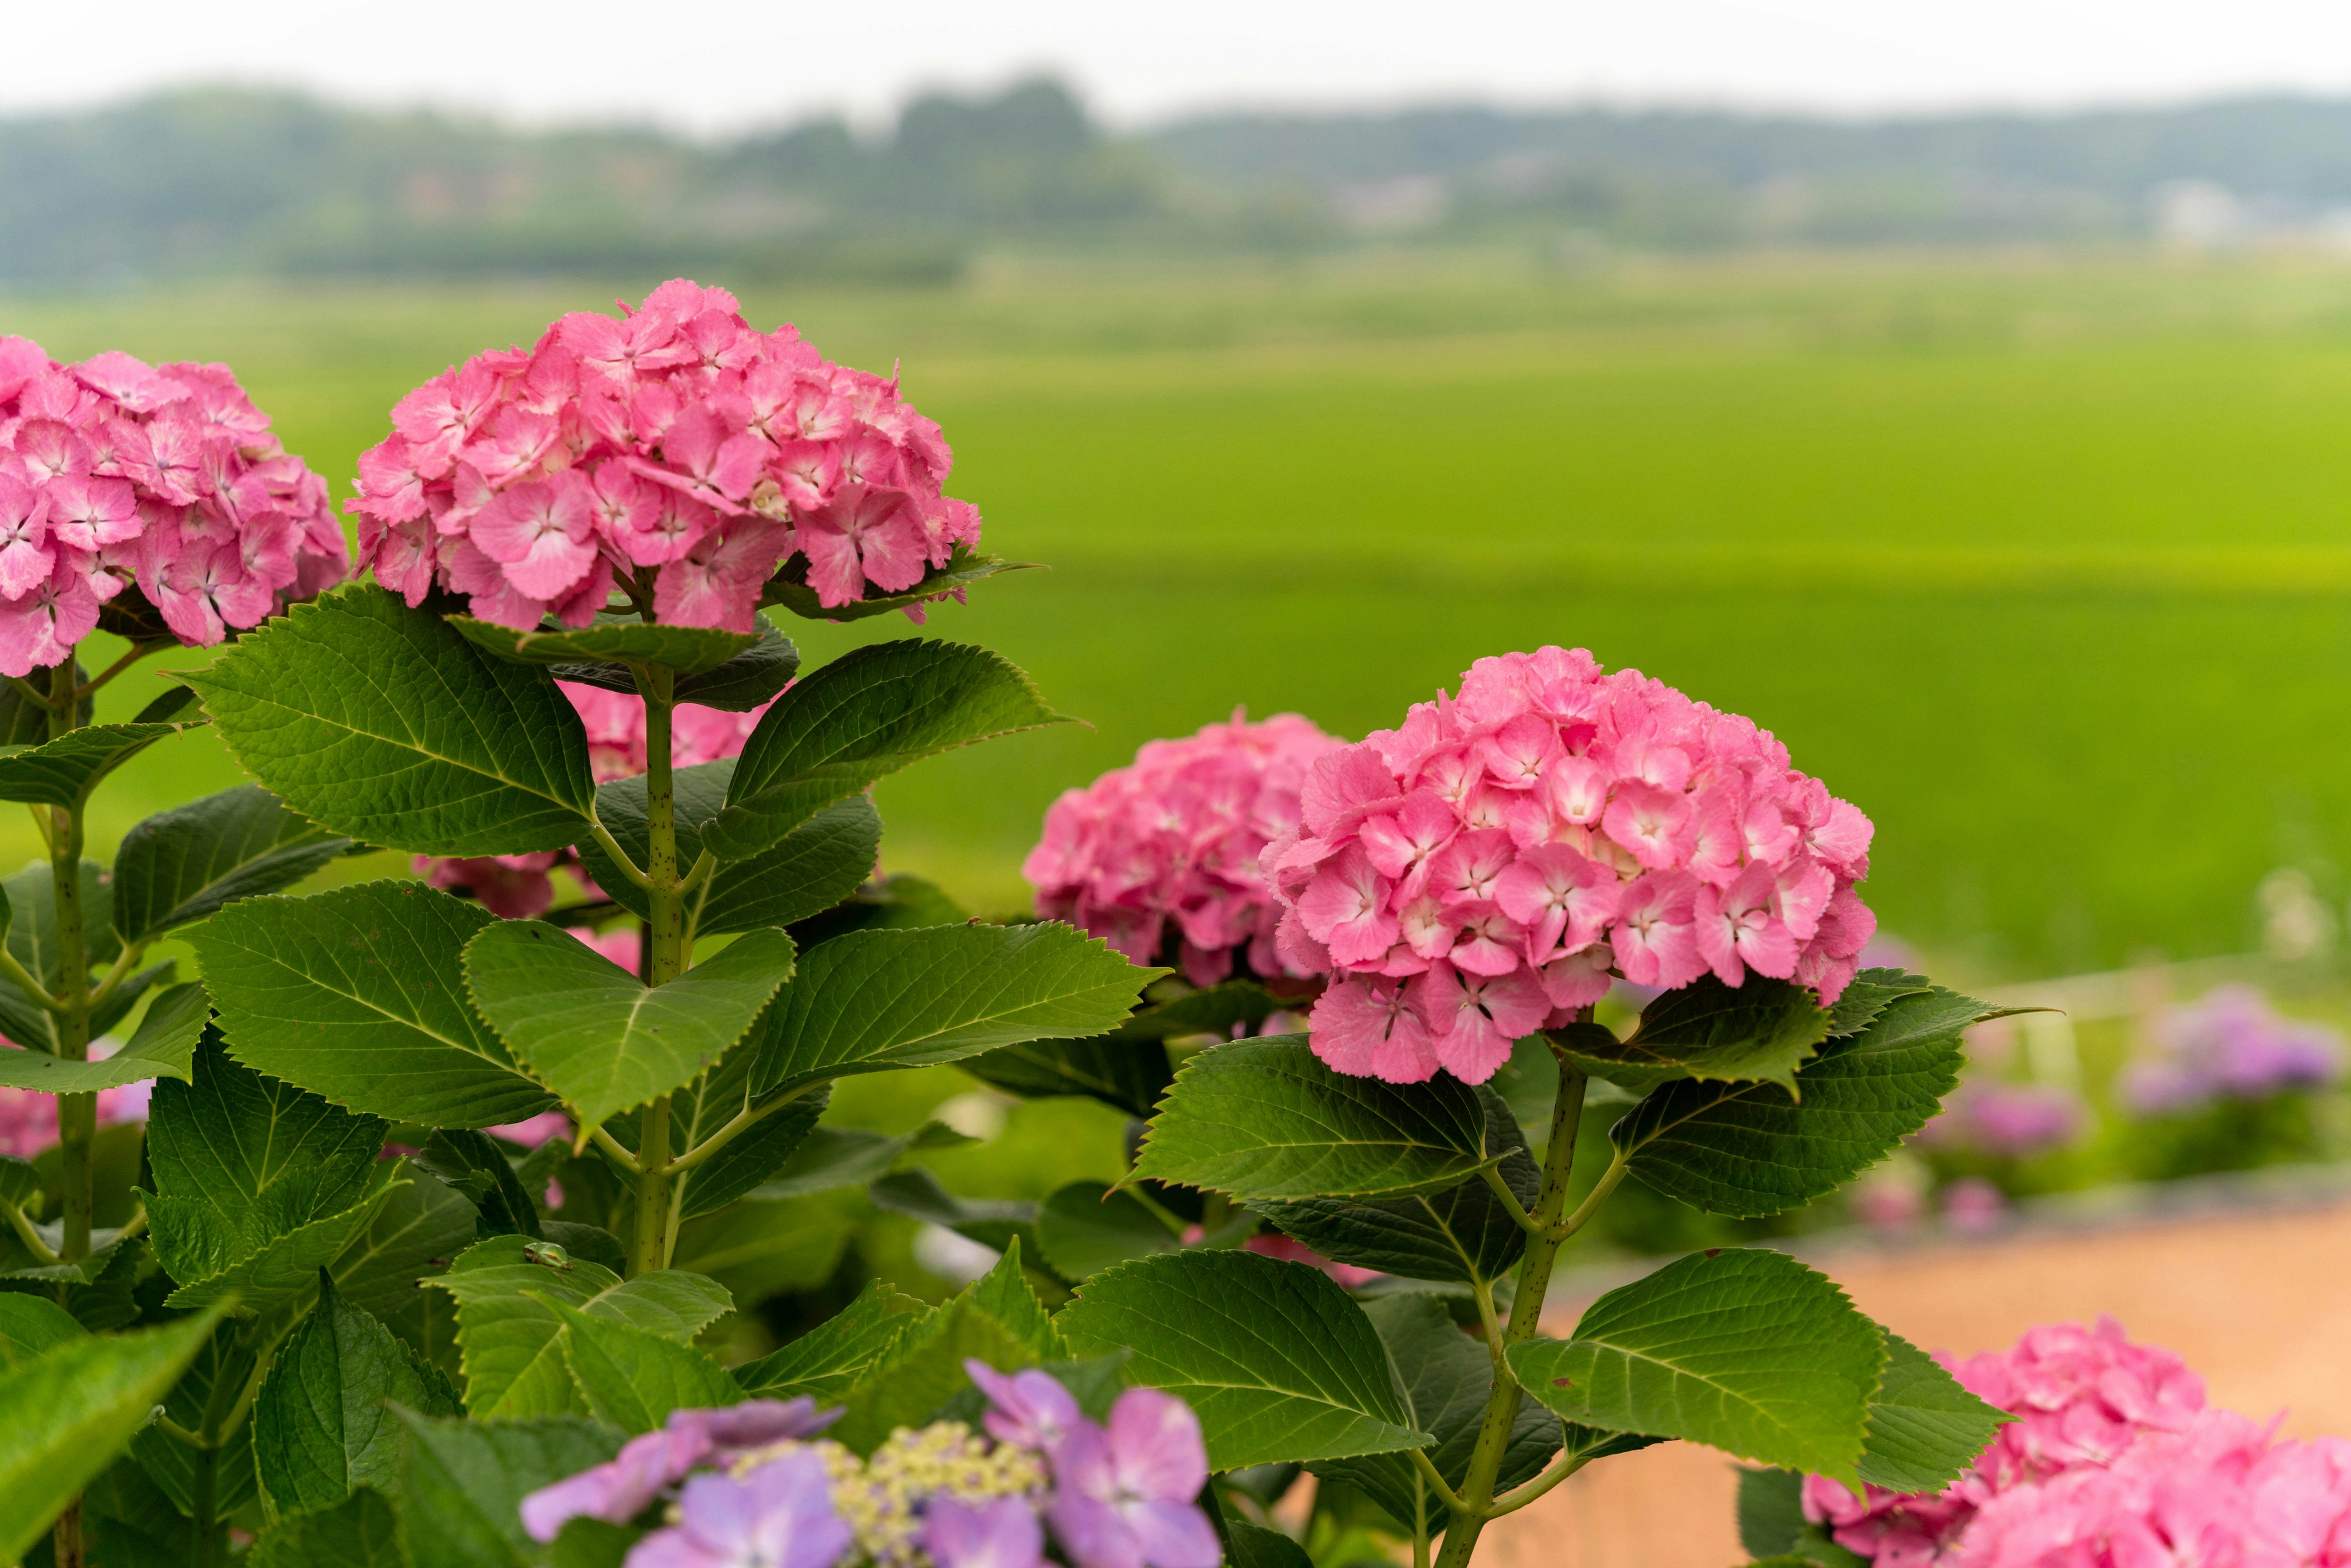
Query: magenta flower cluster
[2114, 1461]
[1490, 866]
[673, 447]
[114, 472]
[1174, 839]
[28, 1118]
[2231, 1045]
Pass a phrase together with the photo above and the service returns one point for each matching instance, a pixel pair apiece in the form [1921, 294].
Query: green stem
[1545, 1238]
[652, 1232]
[76, 1113]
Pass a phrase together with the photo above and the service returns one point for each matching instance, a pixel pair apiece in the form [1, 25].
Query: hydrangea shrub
[455, 1186]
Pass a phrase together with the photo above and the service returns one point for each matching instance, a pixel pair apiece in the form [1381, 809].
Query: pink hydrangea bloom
[1169, 846]
[160, 481]
[2082, 1399]
[28, 1118]
[1123, 1494]
[674, 448]
[1492, 864]
[1273, 1244]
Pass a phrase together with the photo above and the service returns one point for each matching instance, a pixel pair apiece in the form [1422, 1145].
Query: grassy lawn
[2046, 563]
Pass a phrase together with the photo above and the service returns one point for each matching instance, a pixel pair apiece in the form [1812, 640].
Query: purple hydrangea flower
[620, 1489]
[1123, 1495]
[779, 1516]
[1004, 1533]
[2230, 1045]
[1031, 1409]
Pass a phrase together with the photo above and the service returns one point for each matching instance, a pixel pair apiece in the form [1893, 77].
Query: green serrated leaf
[62, 772]
[1770, 1511]
[825, 1361]
[750, 678]
[877, 999]
[179, 866]
[785, 1121]
[1870, 993]
[1254, 1546]
[163, 1047]
[1263, 1119]
[1124, 1073]
[1448, 1380]
[320, 1427]
[285, 1270]
[1005, 1294]
[1085, 1227]
[1762, 1029]
[423, 1224]
[689, 649]
[632, 1378]
[866, 715]
[464, 1483]
[790, 588]
[1747, 1149]
[1925, 1427]
[996, 1319]
[507, 1330]
[30, 1325]
[475, 1164]
[1278, 1362]
[383, 724]
[1462, 1233]
[1745, 1350]
[356, 995]
[813, 867]
[360, 1532]
[602, 1039]
[67, 1412]
[241, 1161]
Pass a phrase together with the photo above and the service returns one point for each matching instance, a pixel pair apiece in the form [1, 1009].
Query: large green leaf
[180, 865]
[790, 588]
[1129, 1074]
[633, 1378]
[1448, 1378]
[827, 1359]
[62, 772]
[996, 1319]
[162, 1047]
[464, 1483]
[877, 999]
[1462, 1233]
[1263, 1119]
[816, 865]
[320, 1424]
[597, 1035]
[356, 995]
[30, 1325]
[866, 715]
[241, 1161]
[360, 1532]
[423, 1224]
[1745, 1350]
[1276, 1361]
[68, 1412]
[286, 1268]
[750, 678]
[1762, 1029]
[1085, 1227]
[1748, 1149]
[1925, 1428]
[689, 649]
[510, 1331]
[382, 723]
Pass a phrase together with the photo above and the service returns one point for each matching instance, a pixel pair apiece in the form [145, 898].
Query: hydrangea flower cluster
[1496, 862]
[2231, 1045]
[1176, 838]
[522, 887]
[753, 1484]
[28, 1118]
[114, 472]
[672, 448]
[2082, 1399]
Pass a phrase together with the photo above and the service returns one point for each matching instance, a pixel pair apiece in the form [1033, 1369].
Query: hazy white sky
[725, 63]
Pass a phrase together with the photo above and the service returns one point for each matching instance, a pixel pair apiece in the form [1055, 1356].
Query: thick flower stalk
[1161, 857]
[1492, 864]
[755, 1483]
[673, 452]
[161, 482]
[2113, 1461]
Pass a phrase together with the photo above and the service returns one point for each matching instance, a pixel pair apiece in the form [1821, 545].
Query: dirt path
[2259, 1302]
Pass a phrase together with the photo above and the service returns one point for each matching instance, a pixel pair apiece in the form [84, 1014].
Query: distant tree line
[236, 180]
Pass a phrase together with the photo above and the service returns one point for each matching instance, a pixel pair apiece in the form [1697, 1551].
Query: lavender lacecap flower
[2230, 1045]
[1122, 1495]
[1028, 1409]
[779, 1516]
[1004, 1533]
[625, 1486]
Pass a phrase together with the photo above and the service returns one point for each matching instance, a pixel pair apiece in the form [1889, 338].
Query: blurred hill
[238, 180]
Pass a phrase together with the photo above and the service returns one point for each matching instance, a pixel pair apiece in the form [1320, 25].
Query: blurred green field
[2046, 562]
